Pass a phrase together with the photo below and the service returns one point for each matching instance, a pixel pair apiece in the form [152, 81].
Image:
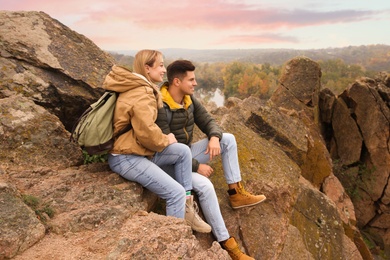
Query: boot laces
[244, 192]
[236, 252]
[196, 209]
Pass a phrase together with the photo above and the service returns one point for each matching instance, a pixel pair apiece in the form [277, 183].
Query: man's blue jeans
[204, 188]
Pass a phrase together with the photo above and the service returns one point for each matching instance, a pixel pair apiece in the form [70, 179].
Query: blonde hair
[145, 57]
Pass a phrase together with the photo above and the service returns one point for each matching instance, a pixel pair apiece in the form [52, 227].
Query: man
[178, 116]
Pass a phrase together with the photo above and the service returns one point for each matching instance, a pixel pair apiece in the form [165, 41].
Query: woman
[138, 154]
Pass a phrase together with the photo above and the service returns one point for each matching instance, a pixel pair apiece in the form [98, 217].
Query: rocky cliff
[54, 207]
[356, 129]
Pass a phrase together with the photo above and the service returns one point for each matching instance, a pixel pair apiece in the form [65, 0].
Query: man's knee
[229, 139]
[203, 185]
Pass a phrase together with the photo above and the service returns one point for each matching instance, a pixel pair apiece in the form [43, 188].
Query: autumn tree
[209, 76]
[243, 80]
[337, 76]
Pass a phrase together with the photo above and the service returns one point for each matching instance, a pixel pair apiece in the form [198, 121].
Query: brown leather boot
[234, 251]
[240, 198]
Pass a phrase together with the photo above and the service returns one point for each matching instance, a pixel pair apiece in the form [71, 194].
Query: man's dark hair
[178, 69]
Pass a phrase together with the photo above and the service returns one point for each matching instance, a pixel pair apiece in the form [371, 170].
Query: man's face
[188, 83]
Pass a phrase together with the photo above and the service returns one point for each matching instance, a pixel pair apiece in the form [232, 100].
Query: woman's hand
[171, 138]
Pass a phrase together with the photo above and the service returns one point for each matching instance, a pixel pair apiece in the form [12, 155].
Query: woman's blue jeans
[148, 173]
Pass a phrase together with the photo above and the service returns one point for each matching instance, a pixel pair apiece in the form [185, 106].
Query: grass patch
[94, 158]
[40, 210]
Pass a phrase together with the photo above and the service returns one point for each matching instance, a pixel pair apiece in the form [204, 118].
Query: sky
[118, 25]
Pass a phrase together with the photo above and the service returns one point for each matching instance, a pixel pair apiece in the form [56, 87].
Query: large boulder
[30, 135]
[347, 135]
[47, 62]
[298, 96]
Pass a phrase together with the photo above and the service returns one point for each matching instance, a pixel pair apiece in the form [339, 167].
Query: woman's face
[157, 72]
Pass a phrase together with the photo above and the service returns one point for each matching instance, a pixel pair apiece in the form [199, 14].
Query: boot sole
[202, 230]
[208, 230]
[248, 205]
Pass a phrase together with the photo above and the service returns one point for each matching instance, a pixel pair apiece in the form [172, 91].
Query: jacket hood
[167, 98]
[121, 80]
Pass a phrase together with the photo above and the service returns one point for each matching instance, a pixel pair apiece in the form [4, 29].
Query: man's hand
[213, 148]
[205, 170]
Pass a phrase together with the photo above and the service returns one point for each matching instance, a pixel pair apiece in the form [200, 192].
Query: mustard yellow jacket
[138, 103]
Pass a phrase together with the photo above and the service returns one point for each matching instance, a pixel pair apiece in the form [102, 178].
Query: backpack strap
[123, 130]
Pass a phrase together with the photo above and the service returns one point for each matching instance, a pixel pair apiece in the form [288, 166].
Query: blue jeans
[204, 188]
[231, 167]
[149, 174]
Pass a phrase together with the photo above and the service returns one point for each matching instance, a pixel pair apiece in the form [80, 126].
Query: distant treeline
[241, 73]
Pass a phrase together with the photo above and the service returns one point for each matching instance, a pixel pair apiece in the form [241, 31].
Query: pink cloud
[197, 23]
[223, 15]
[187, 14]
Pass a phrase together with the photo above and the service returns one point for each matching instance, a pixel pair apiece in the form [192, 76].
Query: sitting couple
[157, 152]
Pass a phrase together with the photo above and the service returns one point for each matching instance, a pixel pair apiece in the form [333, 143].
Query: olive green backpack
[94, 130]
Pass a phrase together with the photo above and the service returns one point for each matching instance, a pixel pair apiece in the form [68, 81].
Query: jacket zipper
[184, 128]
